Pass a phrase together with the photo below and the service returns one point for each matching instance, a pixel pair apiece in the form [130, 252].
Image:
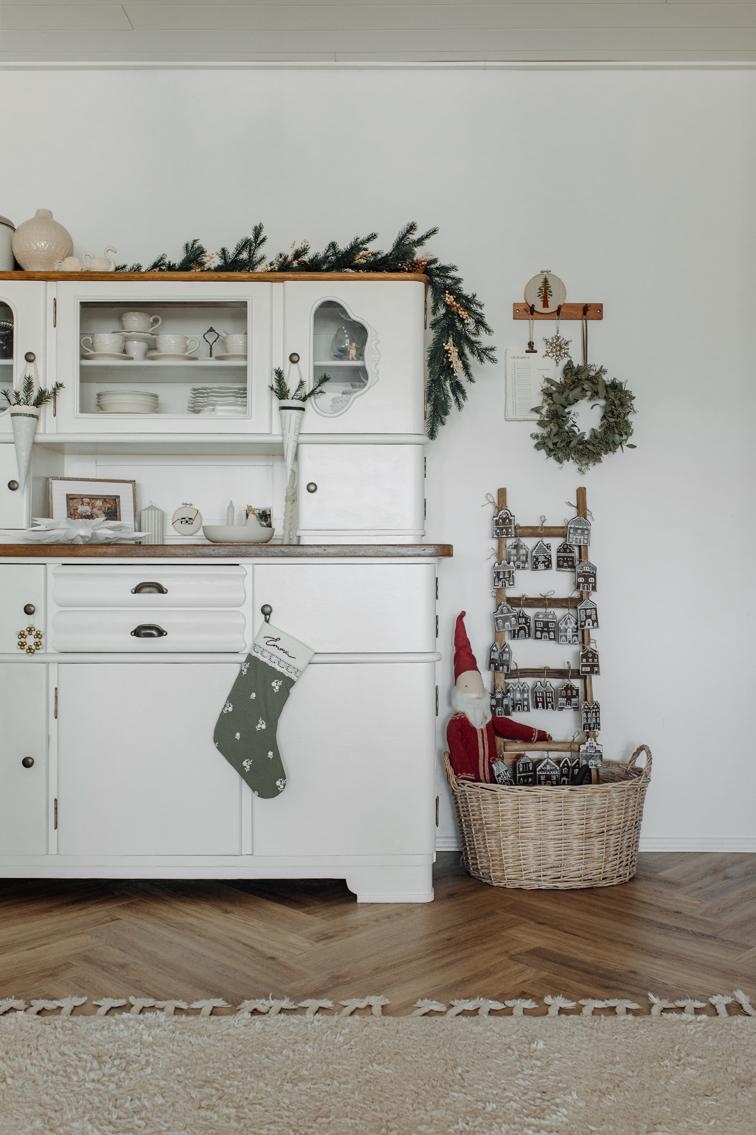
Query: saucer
[231, 358]
[158, 355]
[97, 356]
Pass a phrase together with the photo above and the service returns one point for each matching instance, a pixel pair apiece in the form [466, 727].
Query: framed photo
[88, 498]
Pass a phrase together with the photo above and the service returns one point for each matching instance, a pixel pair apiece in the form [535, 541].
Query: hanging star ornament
[557, 348]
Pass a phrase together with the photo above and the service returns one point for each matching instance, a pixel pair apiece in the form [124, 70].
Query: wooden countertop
[216, 277]
[223, 551]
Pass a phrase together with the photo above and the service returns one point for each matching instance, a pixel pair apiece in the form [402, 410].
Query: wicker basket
[557, 837]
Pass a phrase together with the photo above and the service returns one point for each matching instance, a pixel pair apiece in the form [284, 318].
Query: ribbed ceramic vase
[24, 422]
[39, 243]
[291, 413]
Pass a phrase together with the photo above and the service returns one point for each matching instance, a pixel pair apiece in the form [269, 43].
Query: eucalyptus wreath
[457, 326]
[558, 433]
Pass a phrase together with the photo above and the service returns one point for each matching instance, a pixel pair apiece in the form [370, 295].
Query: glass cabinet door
[22, 329]
[367, 336]
[164, 358]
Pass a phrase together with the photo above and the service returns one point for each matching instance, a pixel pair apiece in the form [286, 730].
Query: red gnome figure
[472, 731]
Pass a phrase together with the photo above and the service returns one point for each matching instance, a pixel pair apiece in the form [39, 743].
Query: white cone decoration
[24, 421]
[291, 412]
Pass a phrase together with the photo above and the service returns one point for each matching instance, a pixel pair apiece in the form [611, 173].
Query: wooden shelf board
[217, 277]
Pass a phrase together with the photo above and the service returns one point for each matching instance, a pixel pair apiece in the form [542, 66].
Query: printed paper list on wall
[525, 375]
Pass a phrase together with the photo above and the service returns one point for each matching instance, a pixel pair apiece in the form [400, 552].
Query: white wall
[636, 186]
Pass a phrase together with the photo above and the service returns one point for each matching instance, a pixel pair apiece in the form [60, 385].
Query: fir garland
[559, 436]
[458, 324]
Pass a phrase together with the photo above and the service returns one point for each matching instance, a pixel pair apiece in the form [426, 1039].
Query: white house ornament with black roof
[504, 524]
[578, 531]
[518, 555]
[568, 695]
[545, 626]
[586, 576]
[589, 661]
[547, 772]
[567, 630]
[503, 574]
[502, 772]
[524, 772]
[591, 717]
[540, 556]
[504, 617]
[591, 753]
[500, 657]
[566, 557]
[523, 625]
[587, 614]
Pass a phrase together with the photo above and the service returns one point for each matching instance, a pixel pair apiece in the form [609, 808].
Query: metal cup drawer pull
[149, 587]
[27, 762]
[148, 630]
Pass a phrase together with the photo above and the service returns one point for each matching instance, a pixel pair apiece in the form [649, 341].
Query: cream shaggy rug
[128, 1073]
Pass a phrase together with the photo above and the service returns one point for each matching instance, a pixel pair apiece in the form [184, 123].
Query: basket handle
[450, 776]
[646, 770]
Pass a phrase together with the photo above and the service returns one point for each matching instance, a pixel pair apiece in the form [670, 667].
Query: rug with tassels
[275, 1066]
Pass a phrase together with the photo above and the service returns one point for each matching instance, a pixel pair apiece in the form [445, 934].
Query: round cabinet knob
[294, 358]
[27, 762]
[13, 486]
[30, 357]
[311, 487]
[29, 608]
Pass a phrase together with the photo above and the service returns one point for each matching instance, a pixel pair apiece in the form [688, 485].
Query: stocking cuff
[286, 654]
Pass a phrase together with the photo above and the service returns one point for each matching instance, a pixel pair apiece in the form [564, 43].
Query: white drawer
[148, 585]
[351, 608]
[148, 631]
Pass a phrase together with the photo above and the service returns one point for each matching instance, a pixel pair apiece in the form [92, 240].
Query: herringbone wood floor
[685, 925]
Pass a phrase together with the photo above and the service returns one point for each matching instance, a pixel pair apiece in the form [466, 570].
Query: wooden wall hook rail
[567, 311]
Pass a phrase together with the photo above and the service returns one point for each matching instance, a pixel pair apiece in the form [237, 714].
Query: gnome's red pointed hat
[464, 659]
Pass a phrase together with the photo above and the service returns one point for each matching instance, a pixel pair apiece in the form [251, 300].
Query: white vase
[291, 414]
[39, 243]
[24, 422]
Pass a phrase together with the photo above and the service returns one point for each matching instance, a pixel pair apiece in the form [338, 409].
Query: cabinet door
[21, 585]
[360, 493]
[24, 796]
[183, 386]
[358, 745]
[368, 337]
[138, 771]
[22, 329]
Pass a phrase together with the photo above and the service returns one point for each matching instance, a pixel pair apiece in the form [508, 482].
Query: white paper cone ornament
[291, 413]
[24, 422]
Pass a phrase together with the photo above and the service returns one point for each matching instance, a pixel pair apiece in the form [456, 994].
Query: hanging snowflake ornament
[557, 348]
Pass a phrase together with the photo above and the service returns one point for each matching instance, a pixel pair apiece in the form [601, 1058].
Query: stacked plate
[127, 402]
[218, 401]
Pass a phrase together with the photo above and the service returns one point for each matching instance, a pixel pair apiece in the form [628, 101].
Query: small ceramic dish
[237, 533]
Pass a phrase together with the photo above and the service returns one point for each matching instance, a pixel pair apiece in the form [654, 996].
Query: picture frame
[92, 498]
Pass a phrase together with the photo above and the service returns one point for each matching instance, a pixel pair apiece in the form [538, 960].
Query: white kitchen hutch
[107, 763]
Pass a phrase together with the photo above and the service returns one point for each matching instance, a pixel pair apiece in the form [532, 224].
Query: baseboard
[657, 843]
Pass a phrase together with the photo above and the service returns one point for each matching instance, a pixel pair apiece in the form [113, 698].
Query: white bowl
[237, 533]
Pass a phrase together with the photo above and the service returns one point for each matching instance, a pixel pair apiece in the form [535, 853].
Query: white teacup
[176, 344]
[104, 342]
[140, 321]
[135, 348]
[235, 344]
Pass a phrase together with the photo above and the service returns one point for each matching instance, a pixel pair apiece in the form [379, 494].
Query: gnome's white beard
[476, 707]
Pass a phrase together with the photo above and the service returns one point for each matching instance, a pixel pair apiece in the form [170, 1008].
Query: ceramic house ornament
[591, 753]
[587, 613]
[547, 772]
[566, 557]
[578, 531]
[524, 772]
[567, 630]
[585, 576]
[504, 524]
[502, 772]
[501, 702]
[503, 574]
[545, 626]
[540, 557]
[523, 625]
[520, 697]
[500, 658]
[590, 717]
[568, 695]
[589, 661]
[565, 765]
[518, 555]
[504, 618]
